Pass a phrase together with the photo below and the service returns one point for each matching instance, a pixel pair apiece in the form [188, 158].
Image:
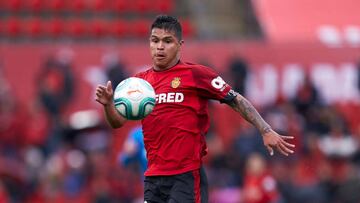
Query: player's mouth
[160, 56]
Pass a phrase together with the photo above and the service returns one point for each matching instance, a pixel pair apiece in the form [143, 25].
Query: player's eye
[155, 40]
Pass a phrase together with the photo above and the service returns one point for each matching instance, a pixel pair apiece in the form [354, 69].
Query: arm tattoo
[249, 113]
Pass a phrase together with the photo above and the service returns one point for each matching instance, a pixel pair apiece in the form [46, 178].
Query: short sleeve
[210, 85]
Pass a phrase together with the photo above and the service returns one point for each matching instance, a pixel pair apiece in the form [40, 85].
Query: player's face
[164, 48]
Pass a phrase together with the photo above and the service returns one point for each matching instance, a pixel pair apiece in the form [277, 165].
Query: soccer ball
[134, 98]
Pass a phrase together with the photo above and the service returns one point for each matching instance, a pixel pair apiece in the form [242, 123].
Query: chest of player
[174, 88]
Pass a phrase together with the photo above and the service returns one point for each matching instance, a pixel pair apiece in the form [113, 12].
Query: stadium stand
[80, 19]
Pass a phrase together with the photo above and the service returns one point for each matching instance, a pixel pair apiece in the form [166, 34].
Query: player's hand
[273, 140]
[104, 94]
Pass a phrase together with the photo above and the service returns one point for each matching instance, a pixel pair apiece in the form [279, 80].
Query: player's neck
[172, 64]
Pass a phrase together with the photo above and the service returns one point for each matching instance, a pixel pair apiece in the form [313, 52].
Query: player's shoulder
[194, 66]
[199, 69]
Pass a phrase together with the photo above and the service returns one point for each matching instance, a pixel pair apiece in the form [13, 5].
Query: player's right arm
[104, 95]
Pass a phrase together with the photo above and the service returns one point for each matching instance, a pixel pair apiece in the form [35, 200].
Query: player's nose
[160, 45]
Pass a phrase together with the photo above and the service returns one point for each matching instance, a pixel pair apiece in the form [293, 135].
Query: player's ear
[181, 42]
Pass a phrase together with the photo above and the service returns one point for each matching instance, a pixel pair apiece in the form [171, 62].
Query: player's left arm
[270, 137]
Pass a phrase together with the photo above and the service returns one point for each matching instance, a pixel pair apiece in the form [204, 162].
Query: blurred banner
[327, 21]
[275, 70]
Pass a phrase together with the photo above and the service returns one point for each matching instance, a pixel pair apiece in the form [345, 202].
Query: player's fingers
[287, 137]
[98, 94]
[271, 151]
[284, 148]
[278, 147]
[288, 144]
[101, 87]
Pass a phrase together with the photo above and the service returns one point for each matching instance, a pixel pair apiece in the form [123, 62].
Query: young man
[174, 133]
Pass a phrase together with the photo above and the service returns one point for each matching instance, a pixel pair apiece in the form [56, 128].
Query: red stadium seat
[34, 28]
[142, 6]
[77, 6]
[35, 5]
[76, 28]
[14, 5]
[56, 5]
[188, 30]
[54, 28]
[121, 5]
[99, 5]
[119, 28]
[3, 27]
[140, 28]
[98, 28]
[13, 27]
[164, 6]
[2, 5]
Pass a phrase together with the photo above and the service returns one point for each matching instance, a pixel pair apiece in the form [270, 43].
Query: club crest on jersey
[175, 83]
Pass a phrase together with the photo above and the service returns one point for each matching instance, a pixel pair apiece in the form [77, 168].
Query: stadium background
[301, 60]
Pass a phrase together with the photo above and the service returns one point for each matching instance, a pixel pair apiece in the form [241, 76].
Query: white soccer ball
[134, 98]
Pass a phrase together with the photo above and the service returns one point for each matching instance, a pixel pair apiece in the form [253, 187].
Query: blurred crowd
[43, 158]
[324, 169]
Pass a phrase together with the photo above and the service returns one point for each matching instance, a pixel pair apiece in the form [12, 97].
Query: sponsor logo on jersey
[219, 83]
[170, 97]
[175, 83]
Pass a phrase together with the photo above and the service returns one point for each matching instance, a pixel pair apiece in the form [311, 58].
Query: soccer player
[174, 133]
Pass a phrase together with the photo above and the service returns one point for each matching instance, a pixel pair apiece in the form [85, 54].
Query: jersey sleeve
[210, 85]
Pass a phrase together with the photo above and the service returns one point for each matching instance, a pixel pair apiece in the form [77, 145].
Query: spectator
[114, 68]
[239, 72]
[307, 97]
[259, 186]
[55, 84]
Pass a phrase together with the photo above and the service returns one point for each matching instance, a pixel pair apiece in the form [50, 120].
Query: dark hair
[168, 23]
